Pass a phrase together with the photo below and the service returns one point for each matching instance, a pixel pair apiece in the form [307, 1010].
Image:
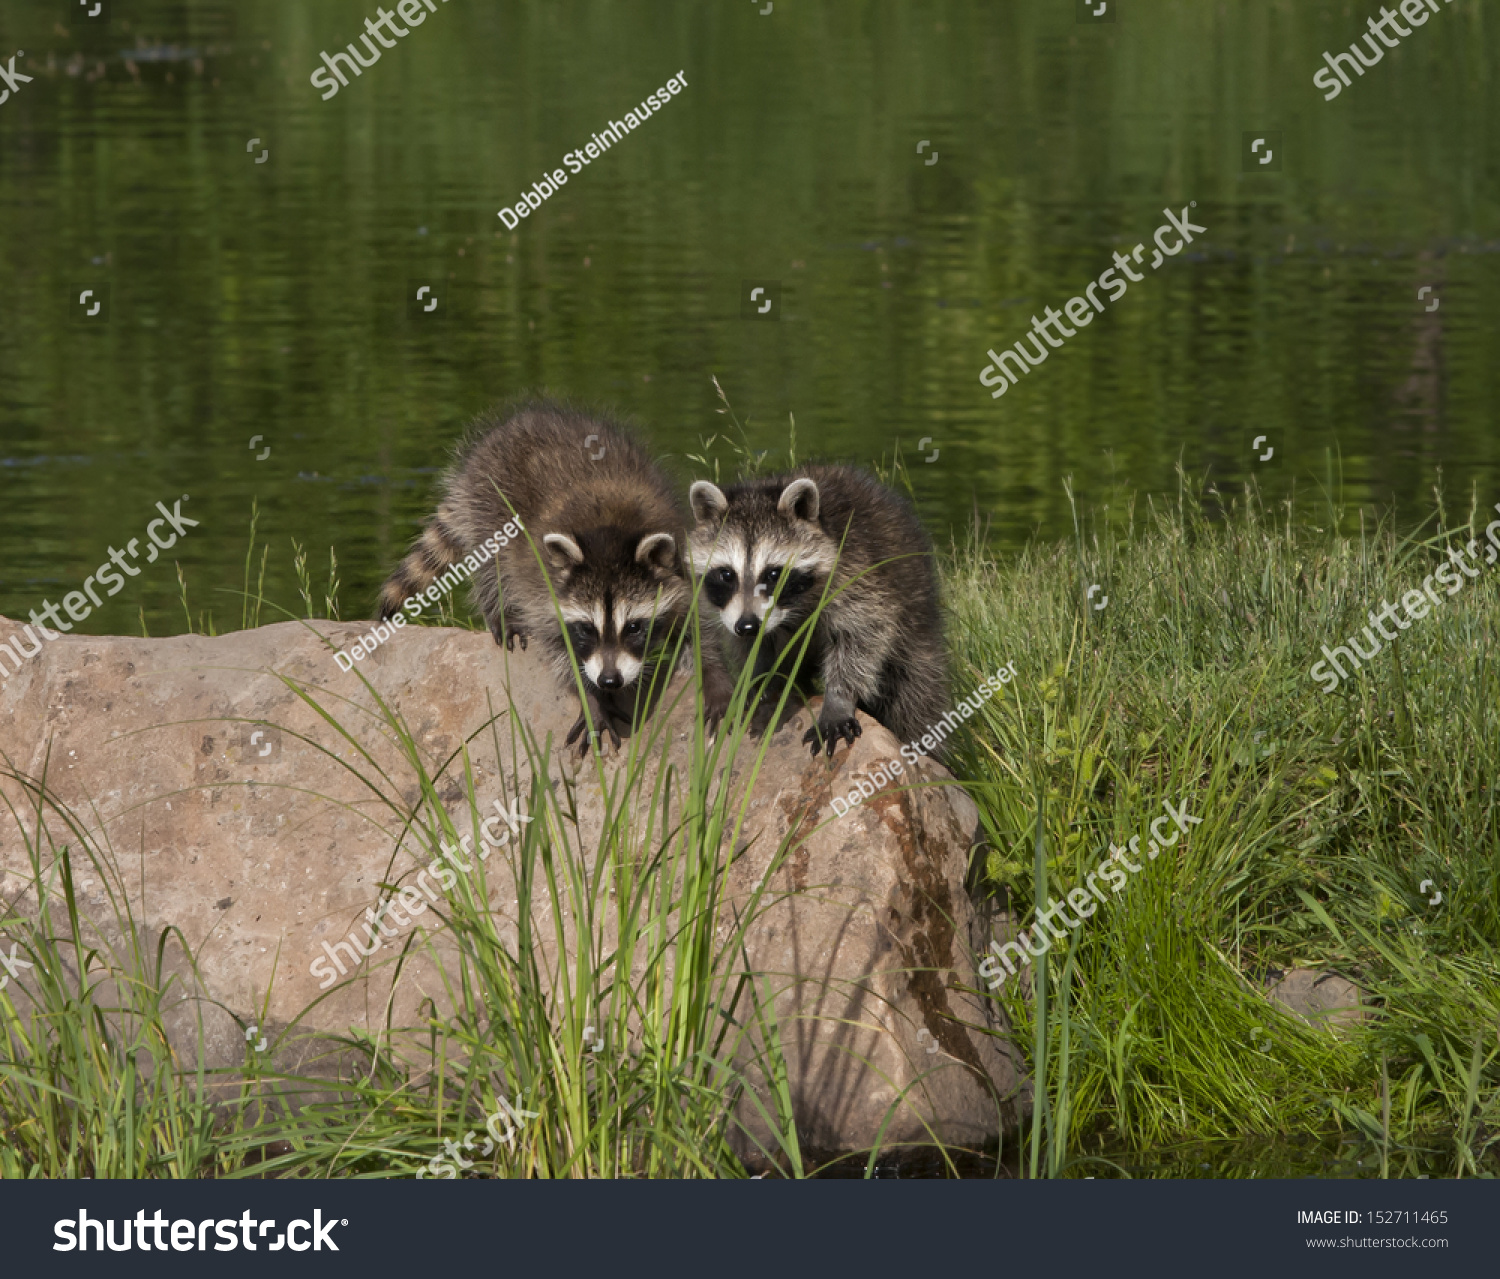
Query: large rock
[263, 845]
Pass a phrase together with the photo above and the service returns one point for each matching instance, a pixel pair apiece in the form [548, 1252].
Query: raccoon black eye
[724, 576]
[633, 628]
[772, 575]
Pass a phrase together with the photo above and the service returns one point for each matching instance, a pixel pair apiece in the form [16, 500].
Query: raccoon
[607, 526]
[770, 551]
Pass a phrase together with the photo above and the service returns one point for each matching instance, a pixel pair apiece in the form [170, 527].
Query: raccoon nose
[611, 681]
[747, 626]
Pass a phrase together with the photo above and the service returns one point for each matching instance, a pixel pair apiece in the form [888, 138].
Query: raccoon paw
[580, 725]
[826, 736]
[767, 717]
[580, 730]
[714, 710]
[507, 634]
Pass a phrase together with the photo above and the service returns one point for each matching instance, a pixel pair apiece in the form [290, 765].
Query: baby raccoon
[606, 524]
[770, 551]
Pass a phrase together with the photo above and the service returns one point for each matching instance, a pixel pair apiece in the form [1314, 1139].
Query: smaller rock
[1320, 999]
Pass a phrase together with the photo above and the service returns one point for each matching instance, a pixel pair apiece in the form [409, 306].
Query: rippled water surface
[272, 302]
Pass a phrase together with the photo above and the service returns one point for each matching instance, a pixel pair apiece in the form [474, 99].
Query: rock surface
[1320, 999]
[232, 810]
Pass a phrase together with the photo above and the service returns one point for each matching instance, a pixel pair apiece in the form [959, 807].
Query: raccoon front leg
[770, 682]
[595, 710]
[836, 720]
[504, 622]
[765, 683]
[850, 675]
[507, 629]
[761, 701]
[718, 688]
[914, 697]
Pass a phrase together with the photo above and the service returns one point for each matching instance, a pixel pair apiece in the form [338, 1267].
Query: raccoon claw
[581, 727]
[590, 737]
[826, 736]
[714, 711]
[768, 717]
[505, 635]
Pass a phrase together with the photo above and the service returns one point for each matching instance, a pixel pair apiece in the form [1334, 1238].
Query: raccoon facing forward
[771, 551]
[606, 523]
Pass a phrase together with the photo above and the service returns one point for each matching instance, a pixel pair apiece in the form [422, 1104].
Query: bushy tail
[438, 549]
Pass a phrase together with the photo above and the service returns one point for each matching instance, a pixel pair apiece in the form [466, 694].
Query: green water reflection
[271, 299]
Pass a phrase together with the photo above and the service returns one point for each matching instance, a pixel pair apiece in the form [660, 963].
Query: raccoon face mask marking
[756, 569]
[760, 591]
[617, 606]
[721, 585]
[781, 588]
[611, 646]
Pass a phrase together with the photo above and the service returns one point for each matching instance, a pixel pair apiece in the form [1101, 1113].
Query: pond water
[257, 250]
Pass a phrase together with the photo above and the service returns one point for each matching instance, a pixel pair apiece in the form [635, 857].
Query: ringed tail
[437, 550]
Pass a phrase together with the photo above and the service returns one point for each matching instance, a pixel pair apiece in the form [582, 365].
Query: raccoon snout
[611, 680]
[747, 626]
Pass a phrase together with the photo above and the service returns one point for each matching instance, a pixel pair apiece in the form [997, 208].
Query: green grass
[1322, 813]
[1151, 1041]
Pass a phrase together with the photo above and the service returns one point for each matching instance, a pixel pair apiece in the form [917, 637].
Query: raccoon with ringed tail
[606, 523]
[770, 551]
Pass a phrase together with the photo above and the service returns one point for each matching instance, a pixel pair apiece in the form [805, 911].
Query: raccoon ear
[657, 551]
[563, 551]
[799, 500]
[708, 501]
